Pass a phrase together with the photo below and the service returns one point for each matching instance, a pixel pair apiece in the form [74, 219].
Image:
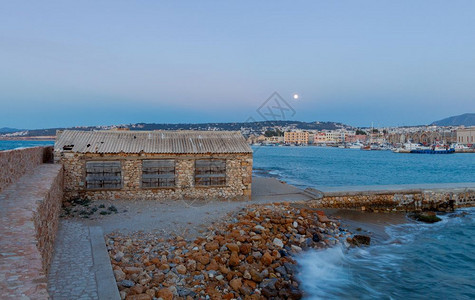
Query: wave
[417, 261]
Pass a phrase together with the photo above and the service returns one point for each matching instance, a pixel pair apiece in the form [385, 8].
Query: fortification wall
[30, 205]
[399, 200]
[16, 163]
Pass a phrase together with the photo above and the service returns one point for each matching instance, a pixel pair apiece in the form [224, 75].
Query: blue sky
[66, 63]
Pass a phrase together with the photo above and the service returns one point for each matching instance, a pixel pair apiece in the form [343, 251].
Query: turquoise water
[419, 261]
[328, 167]
[7, 145]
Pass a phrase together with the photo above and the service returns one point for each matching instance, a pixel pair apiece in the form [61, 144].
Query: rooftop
[179, 142]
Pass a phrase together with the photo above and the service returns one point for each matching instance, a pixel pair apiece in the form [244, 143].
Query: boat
[433, 151]
[356, 145]
[366, 147]
[410, 146]
[458, 146]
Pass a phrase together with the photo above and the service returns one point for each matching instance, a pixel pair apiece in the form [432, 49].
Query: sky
[76, 63]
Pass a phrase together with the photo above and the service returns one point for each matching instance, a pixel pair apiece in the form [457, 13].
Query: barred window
[103, 175]
[210, 172]
[158, 173]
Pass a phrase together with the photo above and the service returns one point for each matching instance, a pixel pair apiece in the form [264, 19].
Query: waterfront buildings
[296, 137]
[466, 136]
[162, 165]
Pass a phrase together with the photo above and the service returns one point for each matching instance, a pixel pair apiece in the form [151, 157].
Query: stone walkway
[71, 274]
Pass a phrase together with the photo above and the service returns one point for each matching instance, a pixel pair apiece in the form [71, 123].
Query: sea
[415, 261]
[8, 145]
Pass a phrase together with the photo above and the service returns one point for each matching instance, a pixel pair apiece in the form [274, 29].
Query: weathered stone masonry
[238, 177]
[400, 200]
[29, 219]
[16, 163]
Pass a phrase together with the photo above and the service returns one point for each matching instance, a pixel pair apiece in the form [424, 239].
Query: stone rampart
[29, 216]
[16, 163]
[398, 200]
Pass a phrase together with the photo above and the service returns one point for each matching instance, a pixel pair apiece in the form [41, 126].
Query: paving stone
[71, 274]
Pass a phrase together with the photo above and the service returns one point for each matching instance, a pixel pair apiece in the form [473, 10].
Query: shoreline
[209, 253]
[250, 253]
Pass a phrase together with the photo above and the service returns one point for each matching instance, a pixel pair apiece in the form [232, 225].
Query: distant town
[298, 133]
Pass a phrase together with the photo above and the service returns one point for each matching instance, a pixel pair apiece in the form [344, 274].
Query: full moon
[296, 96]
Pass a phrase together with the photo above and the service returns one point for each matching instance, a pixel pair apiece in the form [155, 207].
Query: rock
[295, 293]
[269, 293]
[118, 256]
[191, 265]
[246, 275]
[323, 219]
[234, 260]
[233, 247]
[295, 248]
[278, 243]
[119, 275]
[255, 276]
[236, 284]
[266, 259]
[165, 294]
[203, 259]
[259, 227]
[245, 248]
[219, 277]
[137, 289]
[132, 270]
[183, 292]
[283, 253]
[359, 239]
[138, 297]
[268, 283]
[427, 217]
[289, 267]
[181, 269]
[127, 283]
[295, 224]
[212, 246]
[213, 266]
[315, 238]
[281, 270]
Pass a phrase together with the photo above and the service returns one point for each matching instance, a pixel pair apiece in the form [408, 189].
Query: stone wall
[28, 224]
[46, 219]
[238, 177]
[15, 163]
[400, 200]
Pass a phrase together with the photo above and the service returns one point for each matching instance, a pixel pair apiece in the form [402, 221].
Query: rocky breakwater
[250, 255]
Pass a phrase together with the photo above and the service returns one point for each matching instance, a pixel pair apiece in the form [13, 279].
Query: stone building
[159, 165]
[423, 137]
[466, 136]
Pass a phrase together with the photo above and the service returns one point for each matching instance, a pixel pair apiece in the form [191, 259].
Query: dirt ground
[184, 218]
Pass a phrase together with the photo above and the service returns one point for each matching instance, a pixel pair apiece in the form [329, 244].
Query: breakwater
[397, 199]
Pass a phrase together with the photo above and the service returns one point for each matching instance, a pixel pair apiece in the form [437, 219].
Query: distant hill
[245, 127]
[465, 119]
[8, 130]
